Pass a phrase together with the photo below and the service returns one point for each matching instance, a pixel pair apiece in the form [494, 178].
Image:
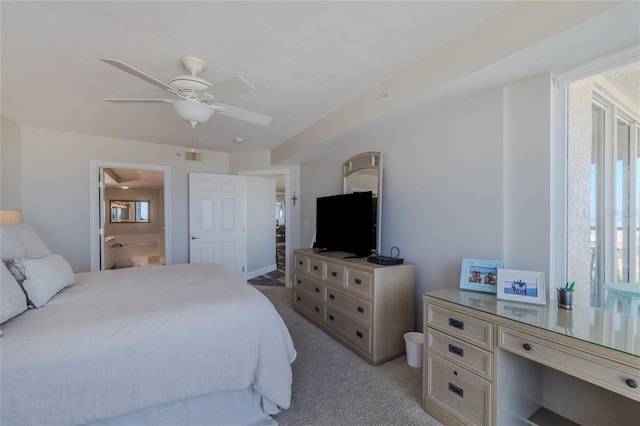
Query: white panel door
[217, 221]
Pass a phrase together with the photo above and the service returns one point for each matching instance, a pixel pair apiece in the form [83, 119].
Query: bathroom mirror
[361, 173]
[129, 211]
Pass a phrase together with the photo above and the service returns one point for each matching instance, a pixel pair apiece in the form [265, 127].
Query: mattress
[125, 340]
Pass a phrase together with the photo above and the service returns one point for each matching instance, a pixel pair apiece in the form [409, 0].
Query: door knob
[193, 237]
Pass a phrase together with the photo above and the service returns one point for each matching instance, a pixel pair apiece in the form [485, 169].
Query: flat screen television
[346, 223]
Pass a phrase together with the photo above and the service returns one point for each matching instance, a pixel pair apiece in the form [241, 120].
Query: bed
[176, 344]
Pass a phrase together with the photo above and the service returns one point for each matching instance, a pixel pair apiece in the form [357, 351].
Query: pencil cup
[565, 298]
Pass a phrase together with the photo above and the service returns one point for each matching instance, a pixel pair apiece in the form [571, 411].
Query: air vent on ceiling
[192, 156]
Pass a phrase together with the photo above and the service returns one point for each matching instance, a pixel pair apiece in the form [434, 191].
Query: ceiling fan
[196, 94]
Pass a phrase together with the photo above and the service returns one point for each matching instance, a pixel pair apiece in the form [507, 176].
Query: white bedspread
[118, 341]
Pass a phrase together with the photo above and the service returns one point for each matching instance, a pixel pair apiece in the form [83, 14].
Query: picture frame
[521, 286]
[480, 275]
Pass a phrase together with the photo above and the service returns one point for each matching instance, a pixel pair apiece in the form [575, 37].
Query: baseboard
[251, 275]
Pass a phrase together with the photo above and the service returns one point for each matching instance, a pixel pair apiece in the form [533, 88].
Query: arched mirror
[361, 173]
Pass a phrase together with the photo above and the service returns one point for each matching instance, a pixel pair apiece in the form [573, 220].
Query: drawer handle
[456, 323]
[455, 389]
[631, 383]
[360, 309]
[317, 309]
[359, 334]
[298, 298]
[299, 281]
[357, 281]
[317, 290]
[456, 350]
[331, 317]
[527, 347]
[332, 297]
[334, 273]
[315, 268]
[300, 262]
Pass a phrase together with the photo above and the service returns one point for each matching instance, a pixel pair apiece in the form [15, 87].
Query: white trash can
[414, 342]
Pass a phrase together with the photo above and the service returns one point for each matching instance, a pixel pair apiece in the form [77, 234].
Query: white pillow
[13, 301]
[45, 277]
[20, 241]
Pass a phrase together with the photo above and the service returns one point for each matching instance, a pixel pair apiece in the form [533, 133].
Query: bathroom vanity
[489, 361]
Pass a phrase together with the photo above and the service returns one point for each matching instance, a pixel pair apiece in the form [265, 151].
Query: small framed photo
[521, 286]
[480, 275]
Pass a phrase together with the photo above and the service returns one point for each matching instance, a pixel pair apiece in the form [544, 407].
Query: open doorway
[129, 207]
[267, 217]
[134, 219]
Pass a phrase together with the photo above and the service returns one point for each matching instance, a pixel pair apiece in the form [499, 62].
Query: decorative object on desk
[521, 286]
[480, 275]
[565, 295]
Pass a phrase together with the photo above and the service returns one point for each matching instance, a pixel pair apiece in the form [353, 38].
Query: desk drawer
[356, 333]
[458, 352]
[309, 284]
[310, 304]
[352, 306]
[359, 282]
[460, 393]
[470, 329]
[602, 372]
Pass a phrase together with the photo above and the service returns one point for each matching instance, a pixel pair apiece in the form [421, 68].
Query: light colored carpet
[333, 386]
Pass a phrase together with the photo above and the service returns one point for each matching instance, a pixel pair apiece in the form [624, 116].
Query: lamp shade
[10, 217]
[192, 111]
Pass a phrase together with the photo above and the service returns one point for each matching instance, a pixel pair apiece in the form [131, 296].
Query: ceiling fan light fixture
[192, 111]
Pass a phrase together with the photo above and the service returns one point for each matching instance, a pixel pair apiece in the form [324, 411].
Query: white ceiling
[306, 59]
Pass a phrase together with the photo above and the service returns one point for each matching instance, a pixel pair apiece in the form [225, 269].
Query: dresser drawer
[301, 263]
[301, 281]
[334, 274]
[351, 306]
[316, 268]
[359, 282]
[310, 304]
[356, 333]
[458, 352]
[470, 329]
[458, 392]
[605, 373]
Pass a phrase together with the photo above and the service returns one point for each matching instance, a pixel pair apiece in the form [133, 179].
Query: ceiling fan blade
[243, 114]
[232, 87]
[133, 71]
[138, 101]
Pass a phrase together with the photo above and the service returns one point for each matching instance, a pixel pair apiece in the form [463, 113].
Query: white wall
[54, 171]
[471, 181]
[261, 227]
[10, 182]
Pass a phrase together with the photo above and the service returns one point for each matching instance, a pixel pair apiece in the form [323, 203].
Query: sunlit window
[603, 223]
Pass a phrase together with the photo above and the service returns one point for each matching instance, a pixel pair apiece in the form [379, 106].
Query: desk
[489, 361]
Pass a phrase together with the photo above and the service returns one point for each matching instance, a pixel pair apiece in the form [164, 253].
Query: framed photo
[521, 286]
[480, 275]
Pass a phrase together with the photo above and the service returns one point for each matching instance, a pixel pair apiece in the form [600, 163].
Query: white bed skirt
[221, 408]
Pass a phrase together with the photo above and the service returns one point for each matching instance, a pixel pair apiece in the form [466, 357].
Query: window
[603, 242]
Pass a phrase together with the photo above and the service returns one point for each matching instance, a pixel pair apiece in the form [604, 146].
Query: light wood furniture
[489, 362]
[364, 306]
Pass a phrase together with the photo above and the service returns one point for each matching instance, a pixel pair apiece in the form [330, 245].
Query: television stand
[364, 306]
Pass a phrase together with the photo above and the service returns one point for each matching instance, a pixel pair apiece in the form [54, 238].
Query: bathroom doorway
[131, 216]
[133, 226]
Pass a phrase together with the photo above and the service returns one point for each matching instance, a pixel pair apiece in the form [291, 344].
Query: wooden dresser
[489, 362]
[364, 306]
